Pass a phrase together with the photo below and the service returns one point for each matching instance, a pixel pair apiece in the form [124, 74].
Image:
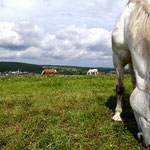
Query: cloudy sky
[58, 32]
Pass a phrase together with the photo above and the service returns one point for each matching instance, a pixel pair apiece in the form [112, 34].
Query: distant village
[18, 72]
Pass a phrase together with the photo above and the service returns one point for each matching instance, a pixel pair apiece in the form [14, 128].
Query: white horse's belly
[141, 63]
[142, 81]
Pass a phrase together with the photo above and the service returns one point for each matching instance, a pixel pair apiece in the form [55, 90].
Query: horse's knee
[119, 89]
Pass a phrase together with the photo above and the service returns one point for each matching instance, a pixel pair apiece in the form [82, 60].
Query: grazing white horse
[92, 71]
[131, 45]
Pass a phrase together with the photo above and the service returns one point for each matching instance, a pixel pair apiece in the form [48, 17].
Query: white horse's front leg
[118, 109]
[119, 87]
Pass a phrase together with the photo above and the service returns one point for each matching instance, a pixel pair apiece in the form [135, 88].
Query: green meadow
[64, 112]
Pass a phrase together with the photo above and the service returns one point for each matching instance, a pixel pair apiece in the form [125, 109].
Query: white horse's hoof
[117, 117]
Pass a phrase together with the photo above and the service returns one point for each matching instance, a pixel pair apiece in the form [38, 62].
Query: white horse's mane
[140, 19]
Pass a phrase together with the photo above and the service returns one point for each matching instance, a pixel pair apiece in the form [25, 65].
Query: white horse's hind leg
[119, 88]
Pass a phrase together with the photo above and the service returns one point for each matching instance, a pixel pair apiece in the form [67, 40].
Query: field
[64, 112]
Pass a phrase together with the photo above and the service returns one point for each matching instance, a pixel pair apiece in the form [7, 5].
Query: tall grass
[64, 112]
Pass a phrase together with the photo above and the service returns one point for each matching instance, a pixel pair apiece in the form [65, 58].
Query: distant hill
[14, 66]
[66, 70]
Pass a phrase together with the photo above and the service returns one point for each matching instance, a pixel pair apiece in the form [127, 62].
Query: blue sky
[62, 32]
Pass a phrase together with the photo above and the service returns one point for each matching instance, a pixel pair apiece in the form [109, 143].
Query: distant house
[16, 72]
[25, 73]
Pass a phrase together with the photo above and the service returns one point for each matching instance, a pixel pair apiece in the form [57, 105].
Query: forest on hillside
[14, 66]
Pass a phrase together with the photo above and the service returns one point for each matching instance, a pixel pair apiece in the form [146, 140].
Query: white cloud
[58, 32]
[28, 41]
[17, 36]
[53, 15]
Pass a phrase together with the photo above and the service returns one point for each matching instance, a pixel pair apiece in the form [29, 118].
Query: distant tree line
[14, 66]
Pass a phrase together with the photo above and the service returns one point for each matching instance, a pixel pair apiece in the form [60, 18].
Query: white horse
[131, 45]
[92, 71]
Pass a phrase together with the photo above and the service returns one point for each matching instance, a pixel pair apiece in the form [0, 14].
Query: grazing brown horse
[48, 71]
